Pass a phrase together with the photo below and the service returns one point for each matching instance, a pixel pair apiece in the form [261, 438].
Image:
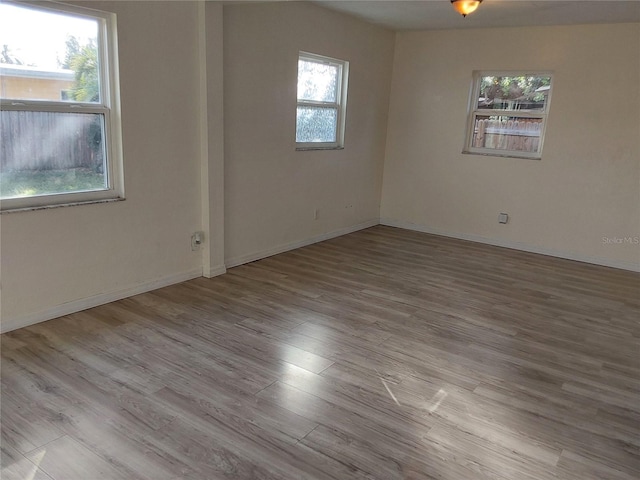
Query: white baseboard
[216, 270]
[9, 324]
[252, 257]
[634, 267]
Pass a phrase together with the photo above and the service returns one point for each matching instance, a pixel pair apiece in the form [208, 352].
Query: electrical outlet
[503, 218]
[196, 240]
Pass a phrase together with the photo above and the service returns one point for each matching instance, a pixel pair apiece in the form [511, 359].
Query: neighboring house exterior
[20, 81]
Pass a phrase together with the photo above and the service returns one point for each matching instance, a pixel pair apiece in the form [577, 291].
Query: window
[59, 119]
[508, 114]
[322, 101]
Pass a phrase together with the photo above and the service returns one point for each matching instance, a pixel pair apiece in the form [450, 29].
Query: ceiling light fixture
[465, 7]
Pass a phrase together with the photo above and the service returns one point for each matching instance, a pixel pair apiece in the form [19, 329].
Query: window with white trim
[508, 114]
[322, 102]
[60, 133]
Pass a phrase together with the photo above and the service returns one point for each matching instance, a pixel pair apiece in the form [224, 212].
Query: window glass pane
[514, 93]
[51, 152]
[316, 124]
[48, 56]
[516, 134]
[317, 81]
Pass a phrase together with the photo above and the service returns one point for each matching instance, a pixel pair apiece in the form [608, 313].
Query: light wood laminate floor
[384, 354]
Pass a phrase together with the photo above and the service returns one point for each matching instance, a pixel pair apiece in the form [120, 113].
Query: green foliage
[8, 57]
[84, 62]
[513, 88]
[72, 49]
[40, 182]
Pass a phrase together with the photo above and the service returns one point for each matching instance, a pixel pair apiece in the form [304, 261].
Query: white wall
[60, 260]
[587, 185]
[272, 190]
[212, 141]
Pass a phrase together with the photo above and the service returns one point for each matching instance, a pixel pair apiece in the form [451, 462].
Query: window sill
[60, 205]
[304, 149]
[502, 155]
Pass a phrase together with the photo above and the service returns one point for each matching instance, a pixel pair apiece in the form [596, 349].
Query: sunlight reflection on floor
[390, 392]
[437, 400]
[36, 459]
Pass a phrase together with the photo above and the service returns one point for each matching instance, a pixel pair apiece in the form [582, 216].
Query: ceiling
[438, 14]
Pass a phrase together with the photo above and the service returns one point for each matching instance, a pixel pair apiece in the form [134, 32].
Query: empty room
[381, 240]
